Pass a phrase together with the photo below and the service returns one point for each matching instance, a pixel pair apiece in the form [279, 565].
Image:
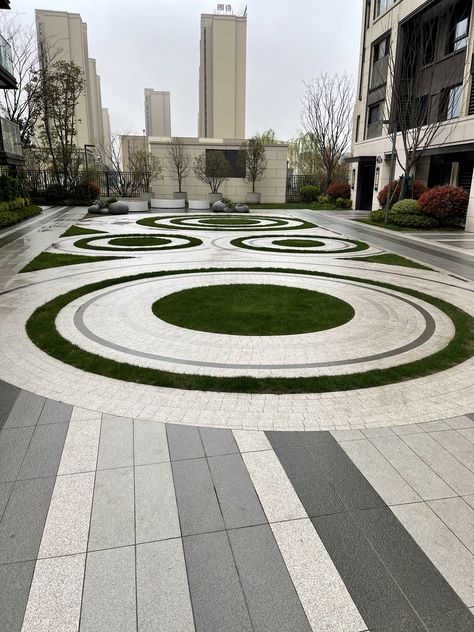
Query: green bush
[310, 193]
[228, 202]
[410, 220]
[9, 218]
[324, 199]
[377, 216]
[8, 188]
[406, 206]
[343, 203]
[56, 194]
[13, 205]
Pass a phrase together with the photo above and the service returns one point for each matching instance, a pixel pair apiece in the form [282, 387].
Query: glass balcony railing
[10, 137]
[6, 59]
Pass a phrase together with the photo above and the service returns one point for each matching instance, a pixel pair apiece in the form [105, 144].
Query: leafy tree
[268, 136]
[253, 159]
[179, 161]
[212, 168]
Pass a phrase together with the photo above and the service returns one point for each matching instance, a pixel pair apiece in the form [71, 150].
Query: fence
[119, 183]
[294, 184]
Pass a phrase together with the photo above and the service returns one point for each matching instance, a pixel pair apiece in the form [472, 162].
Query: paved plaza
[132, 506]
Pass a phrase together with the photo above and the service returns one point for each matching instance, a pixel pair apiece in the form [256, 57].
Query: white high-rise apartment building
[65, 34]
[425, 49]
[157, 113]
[222, 74]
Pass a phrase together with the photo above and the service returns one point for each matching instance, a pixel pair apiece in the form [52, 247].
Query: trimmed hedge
[406, 206]
[343, 203]
[9, 218]
[415, 191]
[446, 204]
[310, 193]
[403, 218]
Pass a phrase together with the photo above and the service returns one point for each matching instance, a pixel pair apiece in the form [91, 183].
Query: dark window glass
[459, 28]
[374, 114]
[450, 103]
[429, 35]
[232, 156]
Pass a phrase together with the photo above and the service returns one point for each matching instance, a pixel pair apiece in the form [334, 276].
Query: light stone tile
[458, 515]
[347, 435]
[81, 447]
[150, 442]
[67, 525]
[468, 433]
[321, 590]
[434, 426]
[251, 440]
[469, 500]
[456, 475]
[116, 443]
[381, 475]
[163, 600]
[458, 423]
[279, 499]
[155, 503]
[382, 431]
[407, 429]
[457, 445]
[54, 603]
[448, 554]
[413, 469]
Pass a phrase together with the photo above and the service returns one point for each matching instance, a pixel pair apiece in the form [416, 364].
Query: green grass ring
[86, 242]
[179, 222]
[240, 242]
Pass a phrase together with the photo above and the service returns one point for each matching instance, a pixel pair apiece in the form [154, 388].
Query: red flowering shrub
[415, 191]
[446, 204]
[339, 190]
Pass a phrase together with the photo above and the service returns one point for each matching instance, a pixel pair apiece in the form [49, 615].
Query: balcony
[7, 78]
[10, 143]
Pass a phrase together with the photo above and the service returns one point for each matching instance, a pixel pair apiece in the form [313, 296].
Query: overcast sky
[155, 44]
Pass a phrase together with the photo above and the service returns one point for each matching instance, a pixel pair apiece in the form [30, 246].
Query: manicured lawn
[53, 260]
[392, 260]
[42, 331]
[139, 241]
[73, 231]
[298, 243]
[409, 230]
[253, 310]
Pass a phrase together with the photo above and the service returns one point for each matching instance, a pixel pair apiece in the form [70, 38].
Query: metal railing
[294, 184]
[6, 59]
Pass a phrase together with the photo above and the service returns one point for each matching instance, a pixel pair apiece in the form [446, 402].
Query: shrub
[8, 188]
[341, 190]
[324, 199]
[410, 220]
[14, 205]
[406, 206]
[8, 218]
[310, 193]
[446, 204]
[228, 203]
[86, 191]
[415, 191]
[343, 203]
[56, 194]
[377, 216]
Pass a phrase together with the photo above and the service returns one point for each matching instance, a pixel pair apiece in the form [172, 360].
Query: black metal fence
[119, 183]
[294, 184]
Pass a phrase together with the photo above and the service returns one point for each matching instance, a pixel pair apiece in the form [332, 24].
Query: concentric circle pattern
[316, 244]
[226, 222]
[131, 242]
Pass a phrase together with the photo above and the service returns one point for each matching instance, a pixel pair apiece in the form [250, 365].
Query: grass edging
[47, 260]
[191, 243]
[239, 242]
[281, 223]
[75, 231]
[391, 259]
[41, 329]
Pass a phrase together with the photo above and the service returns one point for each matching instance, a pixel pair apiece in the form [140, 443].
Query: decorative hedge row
[9, 218]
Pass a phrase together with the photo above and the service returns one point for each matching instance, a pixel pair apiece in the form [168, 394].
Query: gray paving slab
[469, 500]
[458, 446]
[163, 600]
[55, 412]
[26, 410]
[216, 593]
[459, 621]
[456, 475]
[184, 442]
[283, 439]
[198, 508]
[347, 435]
[113, 515]
[15, 582]
[383, 431]
[5, 491]
[424, 586]
[155, 503]
[458, 515]
[116, 443]
[379, 600]
[407, 429]
[13, 446]
[218, 441]
[108, 602]
[8, 395]
[23, 521]
[413, 469]
[237, 497]
[150, 442]
[44, 452]
[468, 433]
[271, 596]
[435, 426]
[457, 423]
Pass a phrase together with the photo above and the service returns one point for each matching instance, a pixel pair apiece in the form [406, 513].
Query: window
[451, 103]
[459, 30]
[429, 35]
[374, 120]
[357, 129]
[460, 34]
[237, 170]
[375, 113]
[381, 49]
[379, 70]
[381, 6]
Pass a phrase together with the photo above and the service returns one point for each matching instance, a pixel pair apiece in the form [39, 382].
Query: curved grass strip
[249, 309]
[299, 243]
[47, 260]
[140, 241]
[240, 242]
[41, 329]
[190, 243]
[182, 222]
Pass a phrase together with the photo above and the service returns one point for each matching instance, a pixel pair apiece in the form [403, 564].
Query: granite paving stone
[44, 451]
[5, 491]
[8, 396]
[458, 423]
[116, 443]
[184, 442]
[15, 580]
[55, 412]
[458, 515]
[14, 443]
[150, 443]
[81, 447]
[155, 503]
[251, 440]
[218, 441]
[25, 411]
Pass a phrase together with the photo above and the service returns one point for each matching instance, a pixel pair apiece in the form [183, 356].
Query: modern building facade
[222, 74]
[157, 113]
[65, 35]
[129, 144]
[416, 57]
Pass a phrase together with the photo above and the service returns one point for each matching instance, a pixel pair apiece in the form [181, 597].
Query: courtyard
[220, 422]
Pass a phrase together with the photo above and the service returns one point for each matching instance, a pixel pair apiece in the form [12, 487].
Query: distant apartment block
[65, 34]
[222, 74]
[157, 113]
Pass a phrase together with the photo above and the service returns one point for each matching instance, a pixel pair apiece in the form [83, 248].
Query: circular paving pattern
[247, 309]
[226, 222]
[315, 244]
[137, 243]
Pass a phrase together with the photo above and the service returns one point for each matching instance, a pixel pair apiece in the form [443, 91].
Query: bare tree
[144, 167]
[212, 168]
[253, 160]
[327, 118]
[179, 161]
